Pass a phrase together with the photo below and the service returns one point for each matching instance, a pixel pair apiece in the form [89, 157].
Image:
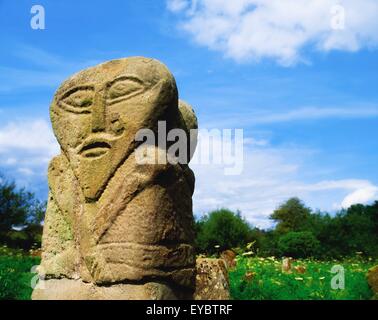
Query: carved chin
[94, 167]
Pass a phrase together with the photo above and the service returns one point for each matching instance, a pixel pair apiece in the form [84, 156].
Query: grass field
[15, 274]
[262, 279]
[252, 279]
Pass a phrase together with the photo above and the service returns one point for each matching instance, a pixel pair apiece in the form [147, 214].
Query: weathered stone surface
[212, 281]
[287, 265]
[229, 257]
[372, 277]
[111, 220]
[68, 289]
[190, 125]
[300, 269]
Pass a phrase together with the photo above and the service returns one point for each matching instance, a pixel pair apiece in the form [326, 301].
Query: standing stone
[229, 258]
[115, 228]
[300, 269]
[372, 278]
[212, 280]
[286, 265]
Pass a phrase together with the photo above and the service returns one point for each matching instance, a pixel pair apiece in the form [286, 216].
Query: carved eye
[78, 100]
[124, 89]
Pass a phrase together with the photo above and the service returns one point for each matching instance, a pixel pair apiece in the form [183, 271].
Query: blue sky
[305, 96]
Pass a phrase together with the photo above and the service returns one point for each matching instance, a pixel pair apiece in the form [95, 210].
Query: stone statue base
[68, 289]
[212, 283]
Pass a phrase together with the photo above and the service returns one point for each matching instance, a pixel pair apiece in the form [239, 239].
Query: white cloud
[248, 30]
[297, 114]
[256, 142]
[33, 136]
[26, 171]
[314, 113]
[26, 147]
[362, 195]
[14, 78]
[177, 5]
[45, 69]
[270, 177]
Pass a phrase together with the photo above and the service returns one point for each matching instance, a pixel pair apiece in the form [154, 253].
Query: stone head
[97, 112]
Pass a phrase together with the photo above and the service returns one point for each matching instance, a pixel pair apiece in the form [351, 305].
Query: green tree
[14, 206]
[292, 215]
[222, 228]
[21, 215]
[351, 230]
[298, 244]
[36, 212]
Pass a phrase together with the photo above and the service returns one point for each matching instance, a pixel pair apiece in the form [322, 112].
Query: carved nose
[98, 113]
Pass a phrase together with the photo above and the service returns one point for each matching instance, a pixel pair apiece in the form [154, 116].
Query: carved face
[97, 112]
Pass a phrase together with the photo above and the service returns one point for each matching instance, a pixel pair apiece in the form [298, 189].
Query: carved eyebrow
[70, 91]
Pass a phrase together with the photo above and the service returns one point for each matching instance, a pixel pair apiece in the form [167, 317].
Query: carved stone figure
[114, 228]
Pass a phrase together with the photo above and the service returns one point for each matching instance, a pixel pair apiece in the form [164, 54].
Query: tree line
[298, 232]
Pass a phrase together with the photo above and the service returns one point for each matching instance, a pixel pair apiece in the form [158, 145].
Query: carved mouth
[95, 149]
